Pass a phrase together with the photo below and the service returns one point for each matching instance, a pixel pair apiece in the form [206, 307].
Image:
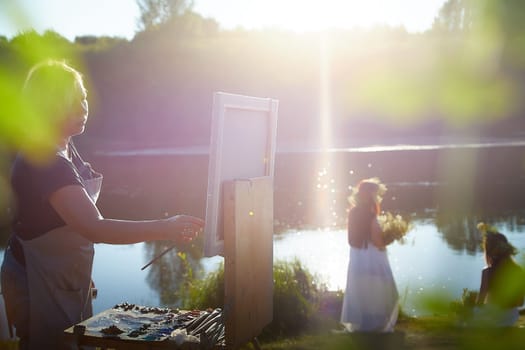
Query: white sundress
[370, 302]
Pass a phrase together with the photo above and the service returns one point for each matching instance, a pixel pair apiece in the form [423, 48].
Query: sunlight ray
[325, 183]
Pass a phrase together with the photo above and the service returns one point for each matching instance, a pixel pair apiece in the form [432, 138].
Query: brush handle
[158, 256]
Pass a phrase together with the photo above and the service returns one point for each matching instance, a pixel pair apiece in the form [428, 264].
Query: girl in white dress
[371, 299]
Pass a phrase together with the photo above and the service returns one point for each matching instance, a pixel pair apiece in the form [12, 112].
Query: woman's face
[76, 118]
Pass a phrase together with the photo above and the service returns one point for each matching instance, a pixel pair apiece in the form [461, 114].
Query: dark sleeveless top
[360, 227]
[32, 185]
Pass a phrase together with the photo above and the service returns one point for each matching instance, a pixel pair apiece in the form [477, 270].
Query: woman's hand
[78, 211]
[184, 228]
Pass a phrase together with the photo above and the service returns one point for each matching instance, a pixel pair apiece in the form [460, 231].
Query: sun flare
[310, 16]
[307, 16]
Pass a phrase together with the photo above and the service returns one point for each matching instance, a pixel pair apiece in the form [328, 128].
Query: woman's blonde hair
[52, 87]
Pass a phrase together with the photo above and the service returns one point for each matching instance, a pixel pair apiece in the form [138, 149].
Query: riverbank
[426, 333]
[421, 333]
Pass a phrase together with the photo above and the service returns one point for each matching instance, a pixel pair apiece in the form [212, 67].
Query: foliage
[295, 296]
[154, 13]
[21, 128]
[464, 307]
[384, 82]
[91, 43]
[202, 293]
[429, 333]
[296, 299]
[454, 16]
[176, 268]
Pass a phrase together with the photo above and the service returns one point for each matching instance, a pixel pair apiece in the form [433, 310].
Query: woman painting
[370, 302]
[46, 271]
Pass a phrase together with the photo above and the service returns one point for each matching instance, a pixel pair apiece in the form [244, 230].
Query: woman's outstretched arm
[78, 211]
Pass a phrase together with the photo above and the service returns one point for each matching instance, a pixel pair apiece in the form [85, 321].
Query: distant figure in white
[371, 299]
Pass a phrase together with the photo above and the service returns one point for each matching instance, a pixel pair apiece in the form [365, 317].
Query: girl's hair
[368, 193]
[495, 244]
[52, 88]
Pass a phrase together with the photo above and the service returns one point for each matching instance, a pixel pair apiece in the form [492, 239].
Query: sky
[72, 18]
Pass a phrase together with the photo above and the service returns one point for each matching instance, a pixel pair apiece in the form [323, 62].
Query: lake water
[444, 190]
[424, 263]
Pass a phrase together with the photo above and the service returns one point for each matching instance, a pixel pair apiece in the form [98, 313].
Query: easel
[242, 153]
[248, 259]
[248, 267]
[239, 210]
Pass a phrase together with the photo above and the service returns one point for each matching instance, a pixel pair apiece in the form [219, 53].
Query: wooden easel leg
[256, 344]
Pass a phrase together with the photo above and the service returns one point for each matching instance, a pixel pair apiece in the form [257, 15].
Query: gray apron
[58, 267]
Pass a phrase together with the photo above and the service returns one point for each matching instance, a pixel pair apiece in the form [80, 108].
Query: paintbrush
[158, 256]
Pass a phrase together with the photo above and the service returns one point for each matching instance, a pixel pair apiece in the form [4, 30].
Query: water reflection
[167, 273]
[460, 233]
[425, 263]
[311, 200]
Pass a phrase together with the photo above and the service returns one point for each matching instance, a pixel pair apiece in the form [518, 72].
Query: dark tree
[154, 13]
[454, 16]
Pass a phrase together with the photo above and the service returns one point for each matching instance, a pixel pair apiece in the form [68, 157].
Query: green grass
[432, 333]
[305, 316]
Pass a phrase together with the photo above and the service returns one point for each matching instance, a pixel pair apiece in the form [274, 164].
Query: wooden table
[138, 328]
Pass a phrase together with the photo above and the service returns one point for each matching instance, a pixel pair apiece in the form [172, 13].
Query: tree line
[461, 78]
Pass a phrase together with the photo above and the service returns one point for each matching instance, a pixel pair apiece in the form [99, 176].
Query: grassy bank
[305, 316]
[433, 333]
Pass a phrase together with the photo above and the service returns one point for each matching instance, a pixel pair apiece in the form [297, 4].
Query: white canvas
[242, 146]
